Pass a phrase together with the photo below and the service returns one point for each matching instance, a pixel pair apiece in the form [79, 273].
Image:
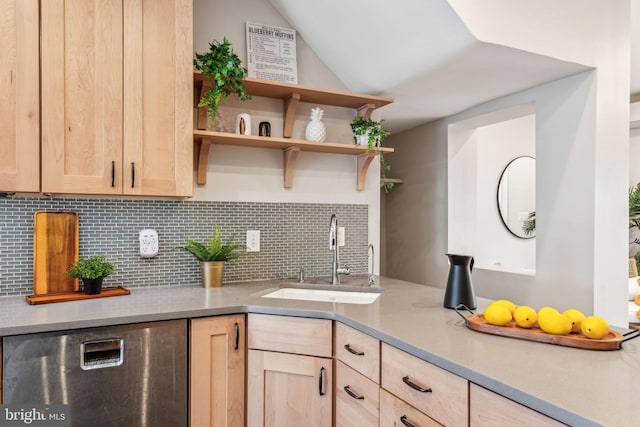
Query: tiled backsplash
[292, 235]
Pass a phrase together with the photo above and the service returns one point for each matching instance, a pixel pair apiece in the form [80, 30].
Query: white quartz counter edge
[406, 315]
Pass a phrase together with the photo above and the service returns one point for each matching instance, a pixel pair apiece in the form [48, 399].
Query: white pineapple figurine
[316, 130]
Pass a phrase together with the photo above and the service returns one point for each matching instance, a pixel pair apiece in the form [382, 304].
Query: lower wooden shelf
[75, 296]
[290, 147]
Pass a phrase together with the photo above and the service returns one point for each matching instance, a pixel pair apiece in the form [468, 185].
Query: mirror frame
[498, 199]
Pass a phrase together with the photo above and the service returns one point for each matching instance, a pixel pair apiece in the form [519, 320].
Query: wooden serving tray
[613, 341]
[76, 296]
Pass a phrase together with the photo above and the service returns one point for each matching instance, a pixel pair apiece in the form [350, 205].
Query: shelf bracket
[364, 160]
[289, 156]
[203, 115]
[366, 110]
[201, 161]
[290, 105]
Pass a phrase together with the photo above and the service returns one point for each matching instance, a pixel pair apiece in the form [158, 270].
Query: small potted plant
[92, 271]
[212, 257]
[370, 133]
[224, 68]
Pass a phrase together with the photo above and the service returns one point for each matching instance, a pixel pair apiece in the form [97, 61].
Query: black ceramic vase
[92, 286]
[459, 284]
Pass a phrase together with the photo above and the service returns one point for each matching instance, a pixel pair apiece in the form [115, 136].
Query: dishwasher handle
[103, 353]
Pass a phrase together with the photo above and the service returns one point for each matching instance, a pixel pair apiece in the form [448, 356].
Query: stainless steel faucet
[333, 246]
[372, 277]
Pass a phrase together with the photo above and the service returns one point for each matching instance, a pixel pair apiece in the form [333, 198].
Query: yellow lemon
[553, 322]
[497, 314]
[525, 316]
[544, 310]
[595, 327]
[575, 317]
[506, 303]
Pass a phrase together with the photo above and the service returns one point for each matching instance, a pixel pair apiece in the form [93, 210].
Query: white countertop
[575, 386]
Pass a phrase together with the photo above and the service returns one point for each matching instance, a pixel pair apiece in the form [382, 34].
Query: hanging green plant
[224, 68]
[371, 131]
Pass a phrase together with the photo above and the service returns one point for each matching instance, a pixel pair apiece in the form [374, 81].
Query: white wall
[479, 151]
[256, 175]
[593, 33]
[634, 157]
[565, 145]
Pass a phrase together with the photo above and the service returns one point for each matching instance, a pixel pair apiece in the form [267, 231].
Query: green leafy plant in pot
[212, 256]
[370, 133]
[92, 271]
[223, 66]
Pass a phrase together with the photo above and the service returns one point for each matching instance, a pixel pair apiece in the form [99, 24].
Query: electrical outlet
[253, 240]
[148, 243]
[340, 236]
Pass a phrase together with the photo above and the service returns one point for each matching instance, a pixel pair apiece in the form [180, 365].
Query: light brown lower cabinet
[434, 391]
[217, 371]
[395, 412]
[357, 398]
[287, 390]
[289, 371]
[489, 409]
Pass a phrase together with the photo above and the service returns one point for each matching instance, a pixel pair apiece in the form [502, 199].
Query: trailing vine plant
[223, 66]
[375, 136]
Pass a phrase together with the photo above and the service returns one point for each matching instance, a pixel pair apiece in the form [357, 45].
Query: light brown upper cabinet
[117, 96]
[19, 97]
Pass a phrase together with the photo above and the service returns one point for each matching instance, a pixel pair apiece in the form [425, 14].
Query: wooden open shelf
[291, 95]
[290, 148]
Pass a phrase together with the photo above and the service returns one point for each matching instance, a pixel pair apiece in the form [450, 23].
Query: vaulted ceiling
[424, 56]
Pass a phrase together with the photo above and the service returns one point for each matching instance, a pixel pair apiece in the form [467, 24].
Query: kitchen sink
[327, 293]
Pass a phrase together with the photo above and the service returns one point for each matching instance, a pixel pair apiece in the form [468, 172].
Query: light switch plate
[341, 236]
[148, 243]
[253, 240]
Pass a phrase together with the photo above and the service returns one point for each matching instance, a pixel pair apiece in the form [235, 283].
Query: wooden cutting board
[55, 249]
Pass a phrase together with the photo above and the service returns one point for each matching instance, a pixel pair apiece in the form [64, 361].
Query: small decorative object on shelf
[224, 71]
[316, 131]
[213, 256]
[243, 124]
[264, 129]
[92, 271]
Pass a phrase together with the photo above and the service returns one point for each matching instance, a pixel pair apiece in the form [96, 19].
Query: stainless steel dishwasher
[128, 375]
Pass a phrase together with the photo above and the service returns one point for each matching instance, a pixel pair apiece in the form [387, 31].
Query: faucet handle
[301, 277]
[344, 270]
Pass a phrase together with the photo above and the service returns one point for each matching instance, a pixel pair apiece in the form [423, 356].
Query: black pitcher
[459, 285]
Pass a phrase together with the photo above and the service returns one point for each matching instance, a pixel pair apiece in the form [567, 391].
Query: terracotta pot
[211, 272]
[92, 286]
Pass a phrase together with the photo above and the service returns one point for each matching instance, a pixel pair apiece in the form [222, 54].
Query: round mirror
[517, 197]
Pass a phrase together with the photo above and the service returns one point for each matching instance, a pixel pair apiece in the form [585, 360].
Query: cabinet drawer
[356, 398]
[443, 395]
[358, 350]
[299, 335]
[394, 412]
[491, 409]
